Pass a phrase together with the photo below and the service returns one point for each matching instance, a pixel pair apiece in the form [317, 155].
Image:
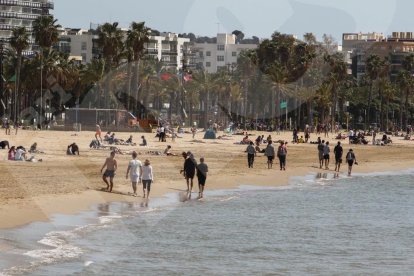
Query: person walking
[189, 171]
[281, 154]
[147, 178]
[338, 151]
[321, 146]
[270, 153]
[251, 153]
[98, 133]
[111, 167]
[202, 170]
[351, 159]
[134, 171]
[326, 151]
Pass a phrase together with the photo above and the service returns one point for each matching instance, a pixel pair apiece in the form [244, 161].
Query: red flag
[166, 76]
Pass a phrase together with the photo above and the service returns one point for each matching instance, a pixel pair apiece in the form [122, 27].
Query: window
[208, 64]
[234, 54]
[84, 46]
[220, 47]
[208, 54]
[201, 54]
[220, 58]
[83, 57]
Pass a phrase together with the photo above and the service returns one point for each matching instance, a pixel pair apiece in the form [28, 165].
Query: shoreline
[18, 212]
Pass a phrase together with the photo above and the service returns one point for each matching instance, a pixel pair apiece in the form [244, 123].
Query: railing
[11, 27]
[47, 5]
[18, 15]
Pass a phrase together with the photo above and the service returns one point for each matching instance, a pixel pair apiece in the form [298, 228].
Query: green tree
[137, 36]
[19, 42]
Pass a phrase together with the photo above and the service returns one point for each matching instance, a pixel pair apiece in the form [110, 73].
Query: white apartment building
[16, 13]
[78, 43]
[222, 55]
[168, 48]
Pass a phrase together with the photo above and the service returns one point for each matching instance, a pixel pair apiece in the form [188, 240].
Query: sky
[254, 17]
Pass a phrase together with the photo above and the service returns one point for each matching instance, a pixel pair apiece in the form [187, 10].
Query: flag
[187, 77]
[166, 76]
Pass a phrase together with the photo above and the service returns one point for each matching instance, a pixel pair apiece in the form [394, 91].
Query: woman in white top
[147, 178]
[134, 170]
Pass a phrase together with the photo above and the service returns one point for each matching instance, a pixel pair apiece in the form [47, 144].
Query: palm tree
[109, 40]
[405, 84]
[374, 66]
[46, 34]
[205, 83]
[408, 66]
[336, 77]
[19, 42]
[92, 76]
[137, 36]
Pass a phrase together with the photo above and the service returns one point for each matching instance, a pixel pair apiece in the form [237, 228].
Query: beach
[63, 184]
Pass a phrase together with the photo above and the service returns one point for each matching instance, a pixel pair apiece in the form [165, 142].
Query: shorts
[350, 162]
[109, 173]
[320, 156]
[201, 179]
[189, 175]
[338, 160]
[326, 157]
[270, 158]
[134, 178]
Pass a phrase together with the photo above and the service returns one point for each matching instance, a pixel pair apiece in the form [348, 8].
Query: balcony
[47, 5]
[18, 15]
[11, 27]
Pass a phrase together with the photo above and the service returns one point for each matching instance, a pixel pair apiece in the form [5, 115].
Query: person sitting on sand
[168, 152]
[269, 138]
[107, 136]
[73, 149]
[4, 144]
[33, 148]
[12, 154]
[111, 167]
[245, 141]
[95, 144]
[301, 140]
[20, 154]
[129, 140]
[257, 148]
[144, 142]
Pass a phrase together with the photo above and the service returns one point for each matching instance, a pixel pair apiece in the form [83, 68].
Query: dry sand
[70, 184]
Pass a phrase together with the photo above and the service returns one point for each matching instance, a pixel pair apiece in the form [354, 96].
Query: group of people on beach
[269, 152]
[136, 171]
[324, 156]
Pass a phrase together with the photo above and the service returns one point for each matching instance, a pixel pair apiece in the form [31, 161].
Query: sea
[322, 224]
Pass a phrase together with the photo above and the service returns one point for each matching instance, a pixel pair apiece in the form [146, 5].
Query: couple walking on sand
[136, 171]
[189, 171]
[270, 152]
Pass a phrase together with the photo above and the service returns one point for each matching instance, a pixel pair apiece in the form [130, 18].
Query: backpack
[281, 151]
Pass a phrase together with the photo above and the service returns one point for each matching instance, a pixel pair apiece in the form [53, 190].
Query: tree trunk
[368, 122]
[129, 73]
